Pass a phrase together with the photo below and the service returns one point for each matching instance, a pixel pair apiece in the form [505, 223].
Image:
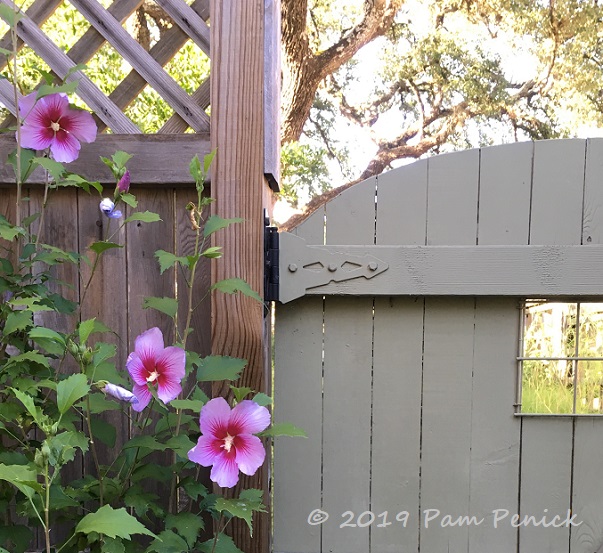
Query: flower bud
[120, 393]
[108, 208]
[124, 183]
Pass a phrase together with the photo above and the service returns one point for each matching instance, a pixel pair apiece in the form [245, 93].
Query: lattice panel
[147, 75]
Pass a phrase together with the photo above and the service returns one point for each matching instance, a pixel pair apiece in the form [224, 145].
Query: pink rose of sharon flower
[51, 123]
[152, 364]
[227, 442]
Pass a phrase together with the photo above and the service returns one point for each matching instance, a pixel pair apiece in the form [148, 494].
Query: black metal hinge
[271, 261]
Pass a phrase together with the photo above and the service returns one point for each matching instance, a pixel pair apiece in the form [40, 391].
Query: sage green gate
[396, 350]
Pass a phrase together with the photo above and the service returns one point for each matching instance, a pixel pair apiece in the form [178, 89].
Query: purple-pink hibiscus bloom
[152, 364]
[227, 440]
[51, 123]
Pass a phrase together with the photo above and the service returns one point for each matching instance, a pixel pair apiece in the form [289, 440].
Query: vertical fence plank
[106, 299]
[143, 239]
[587, 489]
[546, 444]
[448, 359]
[347, 382]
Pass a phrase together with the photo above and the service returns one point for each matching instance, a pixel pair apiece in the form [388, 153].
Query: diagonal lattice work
[124, 76]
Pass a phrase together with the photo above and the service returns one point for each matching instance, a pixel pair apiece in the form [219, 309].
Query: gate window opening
[561, 358]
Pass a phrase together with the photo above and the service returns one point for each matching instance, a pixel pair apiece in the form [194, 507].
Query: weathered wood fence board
[445, 440]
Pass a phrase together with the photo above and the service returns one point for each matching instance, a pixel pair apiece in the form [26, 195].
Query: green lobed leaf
[10, 232]
[215, 223]
[20, 536]
[148, 442]
[248, 502]
[9, 15]
[129, 199]
[22, 477]
[17, 320]
[145, 217]
[71, 390]
[103, 431]
[223, 545]
[113, 523]
[98, 404]
[84, 330]
[168, 542]
[111, 545]
[29, 404]
[262, 399]
[194, 168]
[188, 525]
[120, 158]
[181, 444]
[241, 393]
[234, 285]
[46, 90]
[100, 247]
[283, 429]
[48, 334]
[54, 168]
[215, 252]
[27, 166]
[192, 404]
[61, 448]
[169, 306]
[208, 160]
[218, 367]
[167, 260]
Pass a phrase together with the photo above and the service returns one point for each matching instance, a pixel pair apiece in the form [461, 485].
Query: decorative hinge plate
[308, 267]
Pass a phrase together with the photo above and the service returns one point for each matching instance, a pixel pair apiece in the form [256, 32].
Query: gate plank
[587, 489]
[447, 360]
[495, 443]
[398, 350]
[546, 444]
[298, 400]
[504, 193]
[347, 382]
[298, 347]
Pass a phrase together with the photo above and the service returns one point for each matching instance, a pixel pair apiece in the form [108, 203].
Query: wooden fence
[245, 88]
[399, 359]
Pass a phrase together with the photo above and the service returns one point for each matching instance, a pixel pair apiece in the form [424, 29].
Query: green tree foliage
[437, 75]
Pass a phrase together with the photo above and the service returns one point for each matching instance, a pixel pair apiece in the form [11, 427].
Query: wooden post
[239, 188]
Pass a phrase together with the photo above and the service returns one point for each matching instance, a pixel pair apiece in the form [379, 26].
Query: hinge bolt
[373, 266]
[332, 267]
[292, 267]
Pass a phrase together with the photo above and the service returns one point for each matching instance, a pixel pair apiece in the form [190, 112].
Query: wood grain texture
[60, 63]
[272, 93]
[188, 20]
[237, 43]
[153, 156]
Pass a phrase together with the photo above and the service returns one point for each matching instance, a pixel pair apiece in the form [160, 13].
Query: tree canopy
[438, 75]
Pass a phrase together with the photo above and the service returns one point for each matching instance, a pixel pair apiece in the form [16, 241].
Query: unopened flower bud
[108, 208]
[124, 183]
[120, 393]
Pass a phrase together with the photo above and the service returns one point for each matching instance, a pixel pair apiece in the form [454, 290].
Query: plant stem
[47, 508]
[94, 453]
[213, 547]
[43, 210]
